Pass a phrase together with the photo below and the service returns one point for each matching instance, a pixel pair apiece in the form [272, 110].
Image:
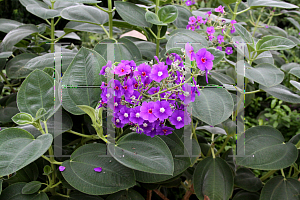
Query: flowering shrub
[148, 119]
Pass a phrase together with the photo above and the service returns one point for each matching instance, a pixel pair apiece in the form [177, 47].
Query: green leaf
[176, 147]
[14, 192]
[147, 49]
[281, 188]
[295, 71]
[126, 195]
[209, 177]
[294, 22]
[153, 19]
[16, 35]
[213, 106]
[15, 67]
[23, 118]
[274, 43]
[80, 174]
[281, 92]
[287, 67]
[87, 62]
[265, 74]
[181, 37]
[244, 195]
[218, 55]
[18, 148]
[212, 130]
[150, 154]
[244, 33]
[168, 14]
[47, 170]
[7, 25]
[176, 50]
[183, 17]
[82, 13]
[295, 84]
[42, 12]
[77, 196]
[31, 187]
[265, 149]
[270, 3]
[132, 14]
[39, 86]
[222, 78]
[1, 181]
[26, 174]
[81, 1]
[246, 180]
[5, 55]
[92, 28]
[88, 110]
[124, 50]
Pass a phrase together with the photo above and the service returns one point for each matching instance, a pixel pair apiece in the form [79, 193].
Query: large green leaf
[80, 174]
[293, 21]
[182, 36]
[246, 179]
[213, 178]
[126, 195]
[295, 84]
[270, 3]
[177, 149]
[36, 2]
[168, 14]
[83, 71]
[295, 71]
[153, 19]
[147, 49]
[143, 153]
[265, 149]
[14, 192]
[18, 148]
[15, 67]
[16, 35]
[222, 78]
[244, 33]
[124, 50]
[132, 14]
[213, 106]
[281, 92]
[218, 55]
[31, 187]
[82, 13]
[7, 25]
[244, 195]
[26, 174]
[183, 17]
[280, 188]
[265, 74]
[287, 67]
[37, 91]
[42, 12]
[271, 42]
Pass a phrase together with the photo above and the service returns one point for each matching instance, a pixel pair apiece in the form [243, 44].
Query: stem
[46, 128]
[157, 40]
[271, 17]
[104, 30]
[8, 83]
[149, 194]
[62, 195]
[48, 22]
[211, 146]
[188, 193]
[223, 146]
[243, 11]
[267, 175]
[57, 21]
[290, 171]
[233, 16]
[156, 7]
[53, 186]
[160, 194]
[44, 37]
[80, 134]
[282, 173]
[52, 31]
[110, 22]
[256, 24]
[255, 91]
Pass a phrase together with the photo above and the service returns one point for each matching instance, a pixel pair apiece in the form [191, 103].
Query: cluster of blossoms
[148, 96]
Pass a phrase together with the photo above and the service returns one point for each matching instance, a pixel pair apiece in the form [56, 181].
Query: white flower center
[137, 115]
[159, 73]
[117, 120]
[116, 104]
[107, 95]
[125, 114]
[179, 119]
[162, 110]
[145, 125]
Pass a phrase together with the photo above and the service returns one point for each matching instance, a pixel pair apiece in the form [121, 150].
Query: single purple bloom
[61, 168]
[267, 26]
[223, 31]
[147, 81]
[164, 130]
[299, 33]
[200, 20]
[98, 169]
[204, 59]
[220, 9]
[147, 111]
[208, 13]
[127, 87]
[232, 30]
[118, 88]
[146, 126]
[122, 69]
[205, 20]
[178, 77]
[159, 72]
[190, 27]
[219, 47]
[210, 30]
[154, 90]
[124, 115]
[232, 22]
[192, 20]
[191, 96]
[211, 37]
[117, 121]
[178, 119]
[197, 27]
[102, 71]
[188, 3]
[189, 50]
[133, 97]
[162, 110]
[135, 115]
[228, 50]
[143, 70]
[220, 38]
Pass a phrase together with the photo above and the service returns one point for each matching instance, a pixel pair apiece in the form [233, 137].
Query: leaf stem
[255, 91]
[223, 145]
[110, 21]
[44, 37]
[8, 83]
[256, 24]
[243, 11]
[52, 30]
[158, 40]
[82, 135]
[267, 175]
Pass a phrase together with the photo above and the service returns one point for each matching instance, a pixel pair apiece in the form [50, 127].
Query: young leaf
[153, 19]
[47, 170]
[168, 14]
[31, 187]
[88, 110]
[23, 118]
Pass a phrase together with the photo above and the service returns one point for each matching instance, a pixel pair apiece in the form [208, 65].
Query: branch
[189, 193]
[149, 194]
[160, 194]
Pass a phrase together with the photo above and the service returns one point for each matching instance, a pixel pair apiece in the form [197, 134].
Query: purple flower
[134, 96]
[164, 130]
[146, 126]
[188, 3]
[189, 50]
[190, 27]
[232, 30]
[208, 13]
[204, 60]
[200, 20]
[162, 110]
[102, 71]
[205, 20]
[219, 47]
[178, 119]
[147, 111]
[232, 22]
[220, 38]
[267, 26]
[98, 169]
[154, 90]
[192, 20]
[176, 57]
[143, 70]
[127, 87]
[228, 50]
[210, 30]
[124, 115]
[135, 115]
[191, 93]
[118, 88]
[122, 69]
[159, 72]
[117, 122]
[211, 37]
[220, 9]
[61, 168]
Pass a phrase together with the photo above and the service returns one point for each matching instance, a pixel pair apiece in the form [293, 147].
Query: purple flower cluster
[190, 2]
[194, 23]
[147, 96]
